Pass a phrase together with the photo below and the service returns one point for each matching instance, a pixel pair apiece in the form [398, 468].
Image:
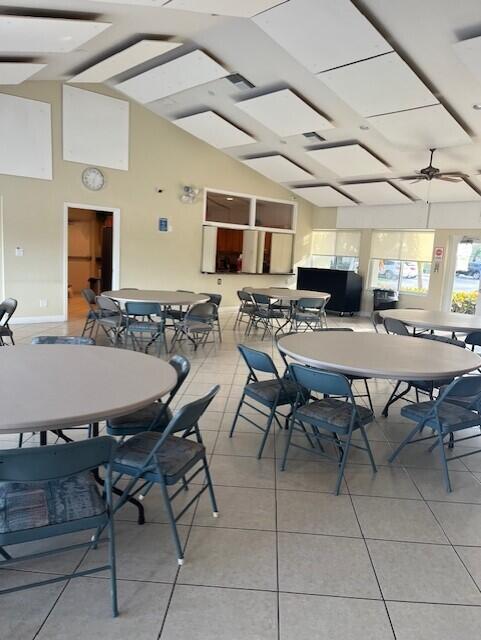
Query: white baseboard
[37, 319]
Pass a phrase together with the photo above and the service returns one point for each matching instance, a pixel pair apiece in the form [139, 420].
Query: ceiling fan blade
[416, 180]
[447, 178]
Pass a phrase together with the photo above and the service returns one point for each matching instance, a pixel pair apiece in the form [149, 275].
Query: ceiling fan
[433, 173]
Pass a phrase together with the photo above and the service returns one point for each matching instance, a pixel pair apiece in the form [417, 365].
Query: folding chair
[145, 319]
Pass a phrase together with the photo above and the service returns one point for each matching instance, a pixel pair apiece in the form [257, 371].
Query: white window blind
[416, 246]
[336, 243]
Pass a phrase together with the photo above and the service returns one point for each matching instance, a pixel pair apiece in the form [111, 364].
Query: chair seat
[333, 413]
[176, 314]
[269, 313]
[113, 321]
[451, 416]
[30, 505]
[5, 331]
[306, 316]
[145, 326]
[194, 326]
[174, 458]
[139, 421]
[266, 391]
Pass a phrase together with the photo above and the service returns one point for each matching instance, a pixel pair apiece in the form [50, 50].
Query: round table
[373, 355]
[175, 298]
[55, 386]
[291, 295]
[435, 320]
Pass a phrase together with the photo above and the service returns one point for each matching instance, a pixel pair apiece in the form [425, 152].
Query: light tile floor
[393, 556]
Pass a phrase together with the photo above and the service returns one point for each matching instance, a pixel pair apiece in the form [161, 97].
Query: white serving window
[401, 260]
[247, 234]
[334, 249]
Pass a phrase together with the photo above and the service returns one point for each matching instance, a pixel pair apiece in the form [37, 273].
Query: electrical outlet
[43, 302]
[219, 280]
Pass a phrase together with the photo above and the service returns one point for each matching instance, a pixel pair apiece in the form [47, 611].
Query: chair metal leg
[368, 447]
[368, 395]
[210, 487]
[345, 452]
[266, 432]
[288, 443]
[444, 464]
[231, 432]
[173, 526]
[43, 438]
[407, 439]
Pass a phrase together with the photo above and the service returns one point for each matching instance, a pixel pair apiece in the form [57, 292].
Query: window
[401, 260]
[224, 209]
[335, 250]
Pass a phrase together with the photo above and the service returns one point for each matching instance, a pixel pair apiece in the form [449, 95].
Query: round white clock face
[93, 178]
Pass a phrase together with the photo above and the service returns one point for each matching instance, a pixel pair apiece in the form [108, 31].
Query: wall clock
[93, 178]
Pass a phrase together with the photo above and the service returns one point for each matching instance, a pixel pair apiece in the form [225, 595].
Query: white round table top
[53, 386]
[374, 355]
[289, 294]
[440, 320]
[160, 297]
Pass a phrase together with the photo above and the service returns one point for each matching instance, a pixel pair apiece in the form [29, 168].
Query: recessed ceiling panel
[17, 72]
[421, 128]
[188, 71]
[278, 168]
[124, 60]
[284, 113]
[214, 130]
[469, 51]
[441, 191]
[348, 160]
[24, 34]
[324, 196]
[240, 8]
[375, 193]
[379, 85]
[95, 129]
[322, 34]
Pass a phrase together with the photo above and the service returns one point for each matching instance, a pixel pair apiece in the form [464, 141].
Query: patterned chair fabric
[29, 505]
[173, 457]
[450, 415]
[335, 413]
[141, 420]
[267, 391]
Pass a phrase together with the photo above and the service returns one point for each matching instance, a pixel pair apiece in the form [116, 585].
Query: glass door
[467, 278]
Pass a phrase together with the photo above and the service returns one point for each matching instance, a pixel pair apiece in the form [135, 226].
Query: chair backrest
[445, 339]
[261, 299]
[182, 367]
[89, 296]
[473, 339]
[215, 298]
[78, 340]
[257, 361]
[7, 309]
[329, 383]
[202, 312]
[30, 464]
[188, 416]
[377, 320]
[464, 387]
[108, 305]
[244, 296]
[143, 309]
[311, 303]
[395, 326]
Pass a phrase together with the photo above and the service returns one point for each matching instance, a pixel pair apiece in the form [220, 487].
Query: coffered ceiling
[379, 82]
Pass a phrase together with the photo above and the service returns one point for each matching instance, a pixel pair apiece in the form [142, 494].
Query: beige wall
[161, 156]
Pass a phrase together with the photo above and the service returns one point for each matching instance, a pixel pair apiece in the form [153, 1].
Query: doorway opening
[91, 254]
[465, 296]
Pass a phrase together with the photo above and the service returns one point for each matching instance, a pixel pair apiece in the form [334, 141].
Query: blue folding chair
[331, 419]
[273, 393]
[446, 416]
[50, 491]
[145, 324]
[165, 459]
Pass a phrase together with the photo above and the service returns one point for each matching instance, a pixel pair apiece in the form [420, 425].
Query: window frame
[252, 212]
